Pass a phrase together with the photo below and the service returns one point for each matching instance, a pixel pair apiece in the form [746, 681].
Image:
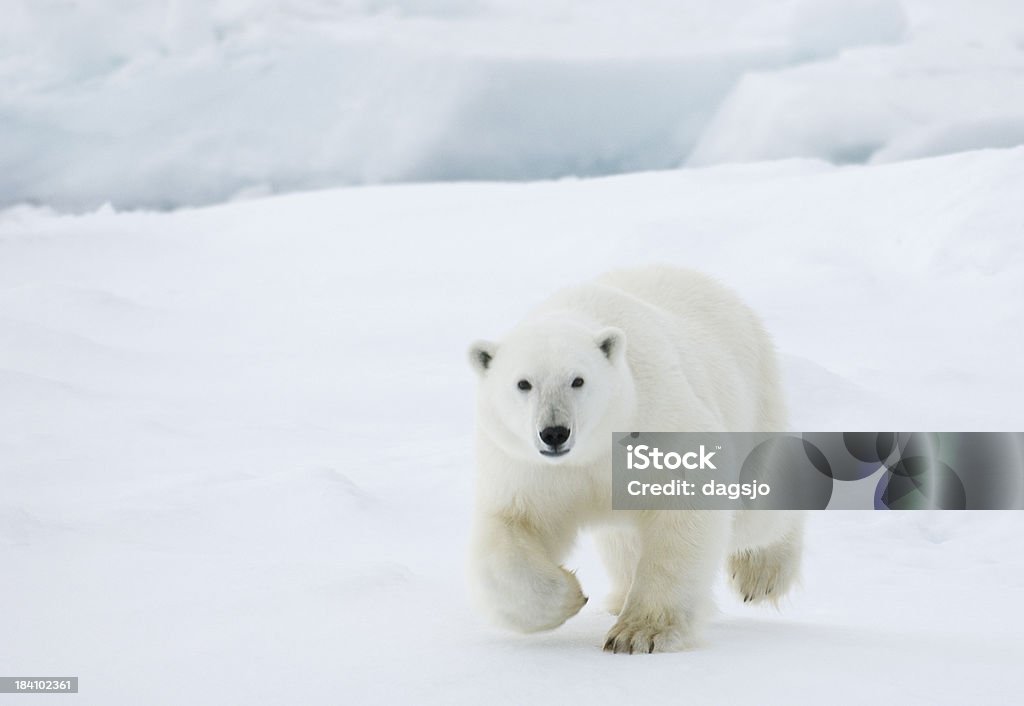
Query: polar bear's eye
[578, 382]
[525, 385]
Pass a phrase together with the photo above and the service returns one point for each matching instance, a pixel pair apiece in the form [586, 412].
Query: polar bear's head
[553, 390]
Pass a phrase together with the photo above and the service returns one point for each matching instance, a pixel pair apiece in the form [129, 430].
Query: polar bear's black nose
[554, 436]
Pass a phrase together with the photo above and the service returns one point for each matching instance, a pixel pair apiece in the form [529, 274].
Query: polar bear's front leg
[671, 592]
[516, 580]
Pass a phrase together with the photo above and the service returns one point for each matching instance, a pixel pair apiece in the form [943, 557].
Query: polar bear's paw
[657, 632]
[563, 600]
[543, 602]
[765, 574]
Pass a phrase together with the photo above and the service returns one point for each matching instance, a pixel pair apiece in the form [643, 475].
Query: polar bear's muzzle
[555, 440]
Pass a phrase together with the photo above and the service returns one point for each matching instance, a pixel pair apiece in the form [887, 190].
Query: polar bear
[649, 349]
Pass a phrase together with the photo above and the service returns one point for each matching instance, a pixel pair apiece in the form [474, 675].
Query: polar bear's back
[682, 292]
[693, 344]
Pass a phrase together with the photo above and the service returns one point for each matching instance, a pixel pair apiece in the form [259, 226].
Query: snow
[187, 102]
[235, 441]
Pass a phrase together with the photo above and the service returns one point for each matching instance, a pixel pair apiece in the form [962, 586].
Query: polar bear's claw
[644, 636]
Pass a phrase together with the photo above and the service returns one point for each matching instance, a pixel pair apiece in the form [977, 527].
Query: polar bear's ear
[612, 342]
[481, 354]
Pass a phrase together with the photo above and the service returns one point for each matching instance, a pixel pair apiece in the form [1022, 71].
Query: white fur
[681, 353]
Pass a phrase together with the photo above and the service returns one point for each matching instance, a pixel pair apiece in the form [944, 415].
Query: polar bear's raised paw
[561, 603]
[540, 603]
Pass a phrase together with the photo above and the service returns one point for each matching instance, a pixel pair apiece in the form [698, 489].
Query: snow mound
[879, 103]
[191, 102]
[160, 105]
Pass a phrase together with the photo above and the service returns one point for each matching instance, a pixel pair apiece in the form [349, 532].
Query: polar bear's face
[553, 391]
